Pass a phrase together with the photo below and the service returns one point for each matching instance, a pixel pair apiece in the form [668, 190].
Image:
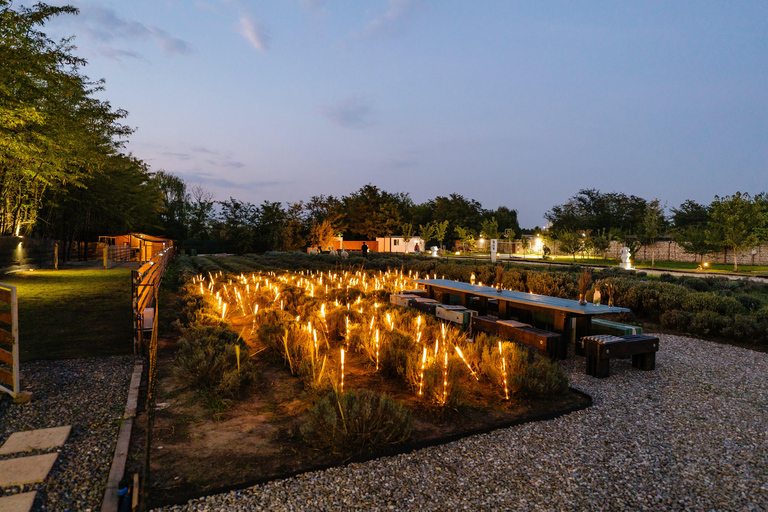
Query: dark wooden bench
[417, 292]
[601, 348]
[424, 305]
[548, 343]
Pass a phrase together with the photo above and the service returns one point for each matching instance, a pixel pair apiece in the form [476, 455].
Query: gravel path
[90, 395]
[692, 435]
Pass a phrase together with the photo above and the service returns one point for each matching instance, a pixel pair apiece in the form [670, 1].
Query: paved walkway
[26, 469]
[691, 435]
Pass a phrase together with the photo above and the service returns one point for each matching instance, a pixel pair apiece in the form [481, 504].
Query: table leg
[503, 313]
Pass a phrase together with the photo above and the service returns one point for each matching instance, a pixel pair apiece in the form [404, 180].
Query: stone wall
[671, 251]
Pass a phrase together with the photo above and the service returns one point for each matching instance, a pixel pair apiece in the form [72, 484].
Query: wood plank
[6, 317]
[6, 378]
[6, 357]
[6, 337]
[5, 295]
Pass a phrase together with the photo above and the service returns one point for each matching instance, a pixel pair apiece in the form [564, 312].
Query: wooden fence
[146, 283]
[9, 339]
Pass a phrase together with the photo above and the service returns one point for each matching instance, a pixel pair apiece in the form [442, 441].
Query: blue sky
[519, 104]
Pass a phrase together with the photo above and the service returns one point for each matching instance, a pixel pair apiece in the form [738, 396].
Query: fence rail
[9, 339]
[146, 281]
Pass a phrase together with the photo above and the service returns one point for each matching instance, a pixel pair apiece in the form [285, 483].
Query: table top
[544, 301]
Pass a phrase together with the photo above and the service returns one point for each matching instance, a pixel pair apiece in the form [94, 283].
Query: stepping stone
[26, 470]
[17, 502]
[41, 439]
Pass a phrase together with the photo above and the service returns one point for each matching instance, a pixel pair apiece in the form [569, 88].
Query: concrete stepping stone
[26, 470]
[40, 439]
[18, 502]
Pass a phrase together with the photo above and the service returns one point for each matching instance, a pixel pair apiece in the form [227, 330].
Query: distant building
[135, 246]
[394, 243]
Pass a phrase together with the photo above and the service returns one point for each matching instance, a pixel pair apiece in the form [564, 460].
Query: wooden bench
[601, 348]
[417, 292]
[455, 314]
[401, 299]
[424, 305]
[600, 326]
[547, 343]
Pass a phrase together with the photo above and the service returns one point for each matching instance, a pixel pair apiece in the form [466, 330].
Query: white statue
[625, 254]
[344, 254]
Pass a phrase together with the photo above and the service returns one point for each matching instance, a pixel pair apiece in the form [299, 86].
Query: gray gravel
[90, 395]
[692, 435]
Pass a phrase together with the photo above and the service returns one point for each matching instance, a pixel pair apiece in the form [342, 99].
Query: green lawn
[73, 313]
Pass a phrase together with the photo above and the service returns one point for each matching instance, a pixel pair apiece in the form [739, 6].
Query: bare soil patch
[198, 451]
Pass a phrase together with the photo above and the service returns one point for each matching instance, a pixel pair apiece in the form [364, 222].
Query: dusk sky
[519, 104]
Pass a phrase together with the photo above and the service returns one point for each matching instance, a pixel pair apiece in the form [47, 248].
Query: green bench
[600, 326]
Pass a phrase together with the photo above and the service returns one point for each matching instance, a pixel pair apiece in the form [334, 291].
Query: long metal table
[571, 319]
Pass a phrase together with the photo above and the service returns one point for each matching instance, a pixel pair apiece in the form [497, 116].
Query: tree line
[590, 219]
[191, 213]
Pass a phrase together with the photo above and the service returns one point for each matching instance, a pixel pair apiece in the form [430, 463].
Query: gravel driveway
[692, 435]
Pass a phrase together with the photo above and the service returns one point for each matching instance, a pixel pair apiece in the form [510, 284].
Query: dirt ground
[197, 451]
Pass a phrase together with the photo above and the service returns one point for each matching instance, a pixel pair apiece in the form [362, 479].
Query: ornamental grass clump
[529, 374]
[207, 362]
[358, 421]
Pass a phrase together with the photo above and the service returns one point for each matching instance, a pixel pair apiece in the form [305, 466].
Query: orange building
[137, 246]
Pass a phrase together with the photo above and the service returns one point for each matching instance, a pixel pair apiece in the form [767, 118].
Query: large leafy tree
[489, 228]
[119, 199]
[738, 219]
[569, 242]
[690, 213]
[200, 213]
[236, 225]
[175, 204]
[652, 226]
[593, 210]
[371, 212]
[53, 133]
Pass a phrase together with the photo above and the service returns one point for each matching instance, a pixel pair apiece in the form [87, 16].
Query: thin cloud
[210, 179]
[253, 32]
[201, 149]
[226, 163]
[105, 26]
[180, 156]
[396, 10]
[351, 112]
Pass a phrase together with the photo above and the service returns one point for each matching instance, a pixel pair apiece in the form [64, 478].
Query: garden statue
[625, 254]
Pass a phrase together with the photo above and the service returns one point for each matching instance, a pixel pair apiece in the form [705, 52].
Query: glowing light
[445, 378]
[342, 370]
[458, 350]
[377, 350]
[421, 377]
[504, 373]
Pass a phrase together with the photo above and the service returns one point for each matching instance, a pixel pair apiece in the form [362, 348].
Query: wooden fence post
[10, 380]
